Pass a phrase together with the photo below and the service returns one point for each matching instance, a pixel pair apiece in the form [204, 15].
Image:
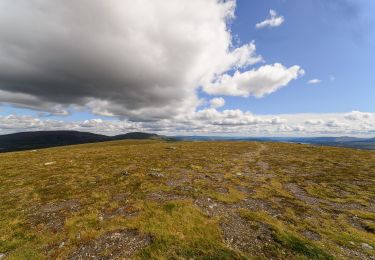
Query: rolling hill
[44, 139]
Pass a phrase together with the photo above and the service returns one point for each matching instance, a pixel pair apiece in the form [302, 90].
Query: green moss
[169, 207]
[180, 230]
[301, 247]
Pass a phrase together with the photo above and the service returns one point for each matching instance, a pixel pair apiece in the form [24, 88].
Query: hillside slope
[45, 139]
[188, 200]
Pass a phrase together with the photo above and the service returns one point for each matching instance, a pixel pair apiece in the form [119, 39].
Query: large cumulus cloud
[141, 60]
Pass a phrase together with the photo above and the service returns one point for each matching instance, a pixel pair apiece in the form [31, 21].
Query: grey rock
[156, 174]
[366, 246]
[124, 173]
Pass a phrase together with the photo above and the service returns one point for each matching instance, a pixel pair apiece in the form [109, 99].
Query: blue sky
[326, 40]
[331, 41]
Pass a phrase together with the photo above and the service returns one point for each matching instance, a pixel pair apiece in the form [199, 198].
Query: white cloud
[314, 122]
[265, 80]
[332, 78]
[357, 115]
[273, 21]
[314, 81]
[139, 60]
[210, 121]
[217, 102]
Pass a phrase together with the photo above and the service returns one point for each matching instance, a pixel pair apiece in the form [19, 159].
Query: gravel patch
[53, 215]
[120, 244]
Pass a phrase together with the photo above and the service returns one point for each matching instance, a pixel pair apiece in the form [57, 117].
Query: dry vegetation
[188, 200]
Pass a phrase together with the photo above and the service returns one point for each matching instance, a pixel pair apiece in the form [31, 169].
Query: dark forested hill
[45, 139]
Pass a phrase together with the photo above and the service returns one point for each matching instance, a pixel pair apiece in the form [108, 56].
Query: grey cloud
[119, 57]
[139, 60]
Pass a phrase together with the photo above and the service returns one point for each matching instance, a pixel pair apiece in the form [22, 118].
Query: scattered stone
[356, 222]
[162, 196]
[351, 253]
[245, 190]
[127, 211]
[124, 173]
[348, 206]
[248, 236]
[311, 235]
[53, 215]
[120, 197]
[263, 165]
[260, 205]
[2, 256]
[186, 188]
[301, 194]
[213, 208]
[62, 244]
[49, 163]
[177, 182]
[156, 174]
[263, 176]
[119, 244]
[222, 190]
[366, 246]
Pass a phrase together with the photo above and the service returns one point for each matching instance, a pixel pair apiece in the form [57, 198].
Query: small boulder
[124, 173]
[366, 246]
[156, 174]
[49, 163]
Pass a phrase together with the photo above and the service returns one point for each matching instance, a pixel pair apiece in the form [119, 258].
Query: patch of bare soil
[263, 165]
[349, 206]
[245, 189]
[350, 253]
[213, 208]
[260, 205]
[177, 182]
[222, 190]
[250, 237]
[213, 177]
[126, 211]
[301, 194]
[162, 196]
[53, 215]
[120, 244]
[311, 235]
[121, 197]
[262, 177]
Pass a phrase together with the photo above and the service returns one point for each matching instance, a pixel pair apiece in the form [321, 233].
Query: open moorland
[187, 200]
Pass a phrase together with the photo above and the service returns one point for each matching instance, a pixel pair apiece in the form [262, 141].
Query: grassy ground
[188, 200]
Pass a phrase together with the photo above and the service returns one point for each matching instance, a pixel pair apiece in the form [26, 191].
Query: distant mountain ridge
[44, 139]
[342, 141]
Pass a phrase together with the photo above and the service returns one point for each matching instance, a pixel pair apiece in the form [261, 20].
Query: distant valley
[344, 141]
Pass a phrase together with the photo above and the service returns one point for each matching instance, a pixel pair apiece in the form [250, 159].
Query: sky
[189, 67]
